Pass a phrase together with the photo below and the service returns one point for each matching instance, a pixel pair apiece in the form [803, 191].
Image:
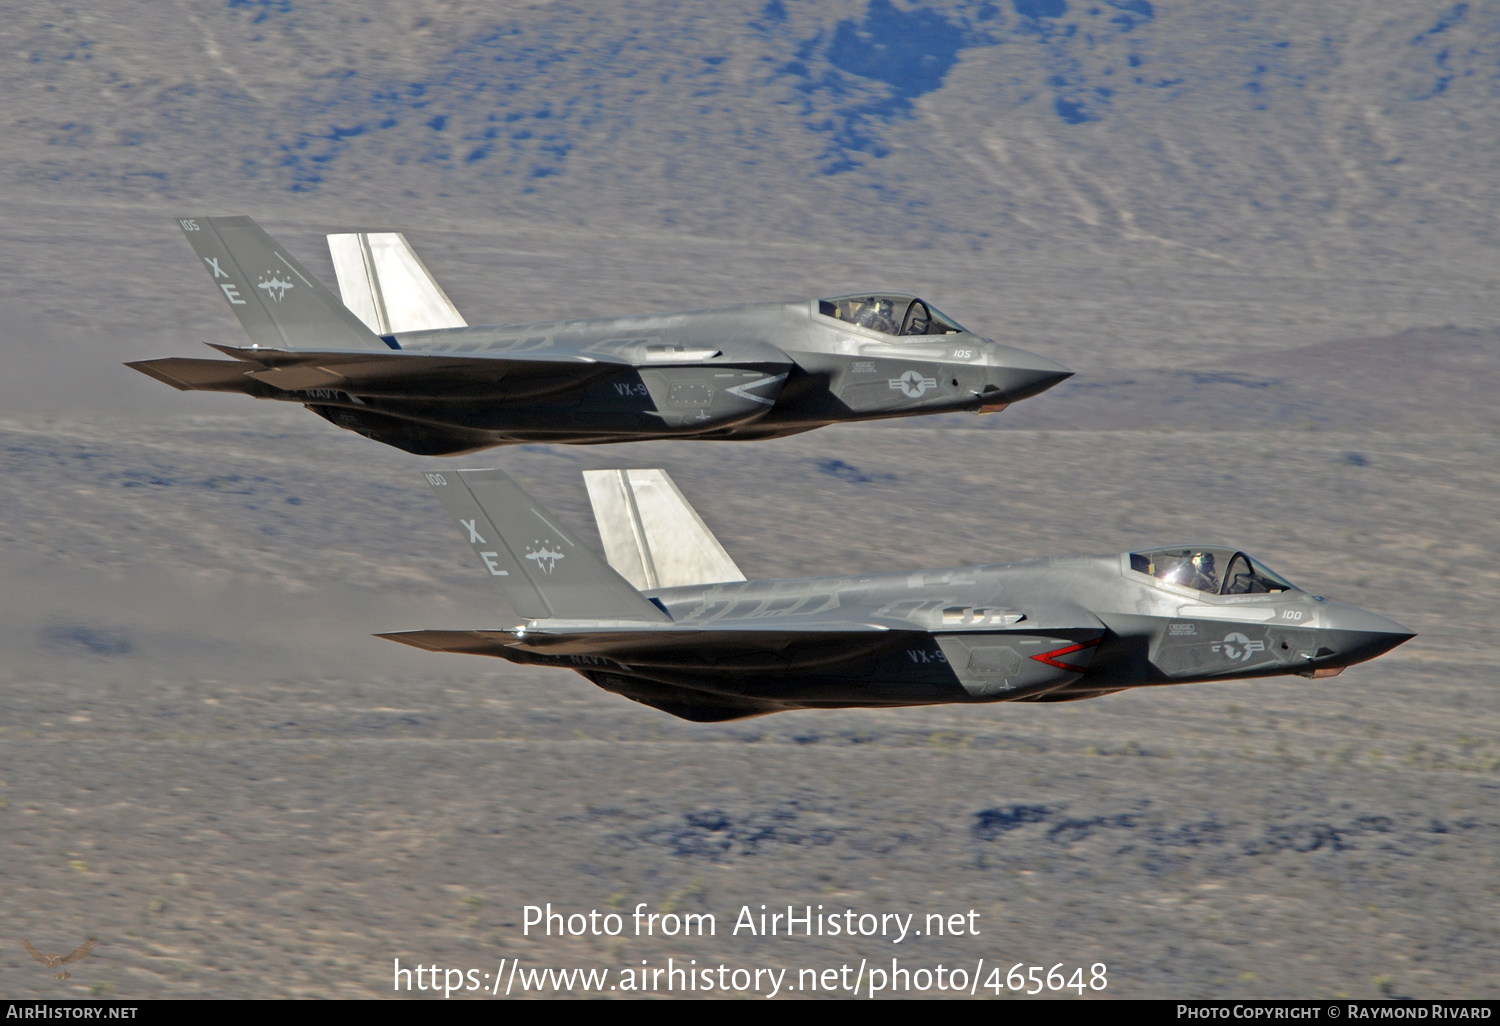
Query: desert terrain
[1286, 333]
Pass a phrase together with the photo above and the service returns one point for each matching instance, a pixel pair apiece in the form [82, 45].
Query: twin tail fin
[542, 570]
[277, 300]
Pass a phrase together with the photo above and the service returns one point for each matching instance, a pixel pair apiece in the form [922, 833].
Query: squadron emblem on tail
[274, 285]
[545, 557]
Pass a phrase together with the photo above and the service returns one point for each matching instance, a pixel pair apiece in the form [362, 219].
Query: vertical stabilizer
[651, 535]
[385, 283]
[277, 300]
[542, 570]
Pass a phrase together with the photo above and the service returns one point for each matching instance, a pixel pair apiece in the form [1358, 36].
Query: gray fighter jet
[672, 623]
[394, 360]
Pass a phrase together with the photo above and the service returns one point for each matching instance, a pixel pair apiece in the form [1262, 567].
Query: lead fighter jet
[394, 360]
[672, 623]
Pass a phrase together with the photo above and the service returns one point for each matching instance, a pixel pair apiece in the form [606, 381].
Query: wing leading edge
[374, 375]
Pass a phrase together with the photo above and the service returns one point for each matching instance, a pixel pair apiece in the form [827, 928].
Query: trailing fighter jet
[672, 623]
[394, 360]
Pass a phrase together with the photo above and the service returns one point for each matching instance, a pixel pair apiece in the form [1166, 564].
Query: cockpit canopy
[890, 315]
[1216, 571]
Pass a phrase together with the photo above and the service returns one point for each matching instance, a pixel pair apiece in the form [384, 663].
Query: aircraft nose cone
[1021, 375]
[1356, 635]
[1339, 616]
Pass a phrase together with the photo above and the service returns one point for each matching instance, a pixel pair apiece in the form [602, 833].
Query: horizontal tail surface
[543, 571]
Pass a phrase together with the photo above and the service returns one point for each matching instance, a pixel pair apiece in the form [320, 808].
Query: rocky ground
[211, 763]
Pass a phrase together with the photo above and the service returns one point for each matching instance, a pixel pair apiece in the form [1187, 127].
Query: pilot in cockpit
[879, 315]
[1195, 571]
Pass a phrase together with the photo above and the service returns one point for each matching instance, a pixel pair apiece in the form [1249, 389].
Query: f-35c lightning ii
[394, 360]
[672, 623]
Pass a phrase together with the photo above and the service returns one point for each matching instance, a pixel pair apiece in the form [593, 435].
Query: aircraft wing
[644, 639]
[392, 374]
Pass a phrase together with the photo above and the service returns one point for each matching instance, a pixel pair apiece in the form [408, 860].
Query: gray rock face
[1333, 136]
